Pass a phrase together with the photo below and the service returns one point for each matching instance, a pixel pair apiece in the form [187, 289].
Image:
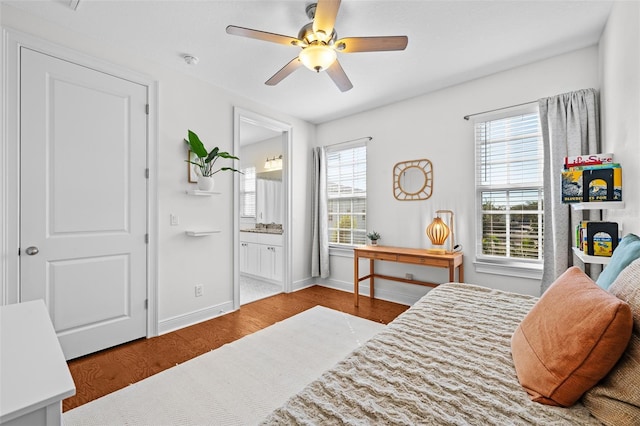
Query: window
[347, 194]
[509, 191]
[248, 192]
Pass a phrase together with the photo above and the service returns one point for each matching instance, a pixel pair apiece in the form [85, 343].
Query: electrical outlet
[408, 276]
[199, 290]
[174, 220]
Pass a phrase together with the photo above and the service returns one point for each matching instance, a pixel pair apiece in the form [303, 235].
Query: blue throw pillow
[627, 251]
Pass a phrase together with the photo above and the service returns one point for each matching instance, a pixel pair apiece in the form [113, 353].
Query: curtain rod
[466, 117]
[352, 140]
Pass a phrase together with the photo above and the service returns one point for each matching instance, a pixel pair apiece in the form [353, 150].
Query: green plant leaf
[223, 169]
[196, 145]
[227, 155]
[213, 154]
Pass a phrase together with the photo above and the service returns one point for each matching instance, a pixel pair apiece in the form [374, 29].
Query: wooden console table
[403, 255]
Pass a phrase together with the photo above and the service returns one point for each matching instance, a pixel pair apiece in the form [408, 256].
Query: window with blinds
[347, 194]
[509, 189]
[248, 192]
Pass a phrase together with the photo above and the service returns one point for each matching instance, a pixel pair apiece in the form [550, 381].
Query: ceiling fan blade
[371, 44]
[293, 65]
[263, 35]
[325, 17]
[339, 77]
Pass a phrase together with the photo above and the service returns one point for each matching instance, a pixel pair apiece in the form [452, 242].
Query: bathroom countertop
[263, 231]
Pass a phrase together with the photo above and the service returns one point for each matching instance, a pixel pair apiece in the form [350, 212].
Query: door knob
[31, 251]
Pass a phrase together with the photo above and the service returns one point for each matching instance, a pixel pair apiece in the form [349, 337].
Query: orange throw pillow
[570, 339]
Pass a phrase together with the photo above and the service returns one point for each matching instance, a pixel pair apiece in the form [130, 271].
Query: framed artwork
[193, 177]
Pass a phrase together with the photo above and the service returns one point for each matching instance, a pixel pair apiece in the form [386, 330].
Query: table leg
[372, 272]
[461, 273]
[356, 279]
[452, 272]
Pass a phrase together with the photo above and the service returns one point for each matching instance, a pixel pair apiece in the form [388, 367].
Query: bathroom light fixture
[438, 232]
[274, 163]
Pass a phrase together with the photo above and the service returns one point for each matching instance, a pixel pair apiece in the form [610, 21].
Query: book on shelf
[600, 182]
[597, 238]
[587, 160]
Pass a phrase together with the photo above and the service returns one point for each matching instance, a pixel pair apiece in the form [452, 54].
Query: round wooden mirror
[412, 180]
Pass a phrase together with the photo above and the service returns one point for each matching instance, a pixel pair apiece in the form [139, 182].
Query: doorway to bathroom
[261, 212]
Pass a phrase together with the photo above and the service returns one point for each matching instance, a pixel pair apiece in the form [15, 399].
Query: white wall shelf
[598, 205]
[585, 258]
[199, 193]
[202, 233]
[594, 205]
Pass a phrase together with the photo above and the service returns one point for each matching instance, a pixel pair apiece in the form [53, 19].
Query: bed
[446, 361]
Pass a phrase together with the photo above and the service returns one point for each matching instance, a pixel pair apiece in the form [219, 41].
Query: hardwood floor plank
[107, 371]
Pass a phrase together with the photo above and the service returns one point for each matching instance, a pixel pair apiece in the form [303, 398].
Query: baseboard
[302, 284]
[191, 318]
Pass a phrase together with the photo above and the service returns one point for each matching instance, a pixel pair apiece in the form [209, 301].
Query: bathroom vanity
[261, 252]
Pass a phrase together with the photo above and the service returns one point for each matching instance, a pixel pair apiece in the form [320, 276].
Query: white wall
[620, 106]
[256, 154]
[428, 126]
[189, 103]
[432, 126]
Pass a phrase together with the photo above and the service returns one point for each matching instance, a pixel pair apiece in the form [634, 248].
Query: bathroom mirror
[413, 180]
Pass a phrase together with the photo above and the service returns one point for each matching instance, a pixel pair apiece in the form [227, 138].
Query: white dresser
[34, 377]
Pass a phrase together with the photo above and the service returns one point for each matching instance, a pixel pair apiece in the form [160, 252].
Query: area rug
[239, 383]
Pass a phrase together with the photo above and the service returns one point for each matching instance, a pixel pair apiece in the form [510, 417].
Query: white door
[83, 201]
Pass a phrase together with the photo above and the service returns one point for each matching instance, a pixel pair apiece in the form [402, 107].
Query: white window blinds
[509, 161]
[347, 194]
[248, 192]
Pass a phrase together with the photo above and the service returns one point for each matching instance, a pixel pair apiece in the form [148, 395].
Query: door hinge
[146, 238]
[18, 251]
[146, 303]
[146, 109]
[146, 173]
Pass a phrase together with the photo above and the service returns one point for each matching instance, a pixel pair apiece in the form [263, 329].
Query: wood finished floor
[104, 372]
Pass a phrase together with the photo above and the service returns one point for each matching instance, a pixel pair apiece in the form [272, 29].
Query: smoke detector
[191, 60]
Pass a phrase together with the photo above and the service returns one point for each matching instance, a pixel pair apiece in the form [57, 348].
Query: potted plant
[374, 237]
[204, 163]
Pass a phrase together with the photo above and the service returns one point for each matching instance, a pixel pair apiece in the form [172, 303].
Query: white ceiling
[449, 42]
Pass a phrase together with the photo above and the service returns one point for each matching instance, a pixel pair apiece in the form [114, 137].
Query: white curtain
[268, 201]
[320, 216]
[570, 126]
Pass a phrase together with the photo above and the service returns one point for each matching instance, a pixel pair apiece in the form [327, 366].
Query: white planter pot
[205, 183]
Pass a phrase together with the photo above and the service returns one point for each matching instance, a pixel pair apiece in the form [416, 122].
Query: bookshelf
[585, 258]
[594, 205]
[598, 205]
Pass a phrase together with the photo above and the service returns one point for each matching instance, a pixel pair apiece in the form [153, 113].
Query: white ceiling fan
[320, 44]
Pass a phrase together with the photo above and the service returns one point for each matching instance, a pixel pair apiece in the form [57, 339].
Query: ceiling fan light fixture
[320, 45]
[318, 57]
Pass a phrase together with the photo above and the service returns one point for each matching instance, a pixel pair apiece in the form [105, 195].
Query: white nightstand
[35, 377]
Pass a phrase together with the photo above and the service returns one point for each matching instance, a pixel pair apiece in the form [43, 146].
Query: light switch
[174, 220]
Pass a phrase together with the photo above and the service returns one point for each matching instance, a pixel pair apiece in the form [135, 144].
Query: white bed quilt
[445, 361]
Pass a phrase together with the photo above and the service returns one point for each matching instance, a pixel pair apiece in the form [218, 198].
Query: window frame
[243, 192]
[510, 266]
[343, 248]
